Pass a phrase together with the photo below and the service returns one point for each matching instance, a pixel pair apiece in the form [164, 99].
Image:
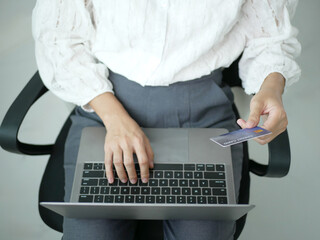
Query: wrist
[274, 82]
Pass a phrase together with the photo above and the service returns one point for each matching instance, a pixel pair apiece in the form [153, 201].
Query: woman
[132, 64]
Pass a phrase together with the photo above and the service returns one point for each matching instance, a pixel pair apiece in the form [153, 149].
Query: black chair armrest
[279, 158]
[12, 121]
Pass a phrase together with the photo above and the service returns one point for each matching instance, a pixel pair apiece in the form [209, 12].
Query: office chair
[52, 184]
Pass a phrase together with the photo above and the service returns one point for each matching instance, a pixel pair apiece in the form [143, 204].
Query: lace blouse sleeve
[63, 31]
[271, 44]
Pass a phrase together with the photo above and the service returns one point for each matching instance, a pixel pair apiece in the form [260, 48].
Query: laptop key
[104, 190]
[123, 184]
[196, 191]
[165, 191]
[153, 182]
[210, 167]
[191, 199]
[183, 183]
[84, 190]
[108, 199]
[203, 183]
[135, 190]
[170, 166]
[155, 190]
[150, 199]
[129, 199]
[115, 190]
[158, 174]
[98, 166]
[93, 174]
[201, 200]
[175, 191]
[171, 199]
[220, 167]
[125, 190]
[193, 183]
[200, 167]
[198, 175]
[145, 190]
[168, 174]
[186, 191]
[222, 200]
[181, 199]
[140, 199]
[212, 200]
[173, 182]
[214, 175]
[94, 190]
[206, 191]
[98, 198]
[219, 191]
[178, 175]
[160, 199]
[119, 199]
[163, 182]
[188, 174]
[142, 183]
[115, 182]
[103, 182]
[189, 167]
[89, 182]
[85, 198]
[88, 166]
[217, 183]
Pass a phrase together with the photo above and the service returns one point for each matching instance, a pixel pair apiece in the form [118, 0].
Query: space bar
[171, 166]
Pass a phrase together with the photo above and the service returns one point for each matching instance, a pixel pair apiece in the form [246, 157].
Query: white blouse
[159, 42]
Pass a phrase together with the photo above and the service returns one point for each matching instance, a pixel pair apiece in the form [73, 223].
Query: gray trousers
[203, 102]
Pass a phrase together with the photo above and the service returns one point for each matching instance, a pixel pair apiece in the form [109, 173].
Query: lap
[212, 113]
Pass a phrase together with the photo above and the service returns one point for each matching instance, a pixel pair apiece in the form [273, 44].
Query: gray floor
[286, 209]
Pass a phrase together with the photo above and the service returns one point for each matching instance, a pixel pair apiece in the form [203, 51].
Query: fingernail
[133, 181]
[110, 180]
[124, 180]
[144, 180]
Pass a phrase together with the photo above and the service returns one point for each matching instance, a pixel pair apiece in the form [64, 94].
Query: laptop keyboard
[168, 183]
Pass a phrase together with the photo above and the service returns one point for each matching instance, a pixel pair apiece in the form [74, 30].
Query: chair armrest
[279, 158]
[12, 121]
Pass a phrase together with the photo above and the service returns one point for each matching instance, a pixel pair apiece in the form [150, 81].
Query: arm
[124, 137]
[267, 65]
[63, 33]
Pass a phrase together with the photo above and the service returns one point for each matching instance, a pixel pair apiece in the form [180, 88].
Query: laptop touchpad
[169, 145]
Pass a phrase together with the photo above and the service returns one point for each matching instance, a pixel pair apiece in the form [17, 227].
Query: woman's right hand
[124, 138]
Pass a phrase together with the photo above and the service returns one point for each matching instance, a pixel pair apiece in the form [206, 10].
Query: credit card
[239, 136]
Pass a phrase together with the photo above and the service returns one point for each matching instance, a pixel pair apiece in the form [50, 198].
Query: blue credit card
[239, 136]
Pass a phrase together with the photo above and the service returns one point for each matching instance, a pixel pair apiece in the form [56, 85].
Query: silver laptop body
[178, 146]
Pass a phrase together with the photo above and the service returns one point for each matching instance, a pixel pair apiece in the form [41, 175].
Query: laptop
[192, 179]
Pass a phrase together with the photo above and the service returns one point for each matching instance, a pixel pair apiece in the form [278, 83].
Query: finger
[241, 123]
[256, 108]
[129, 164]
[150, 153]
[143, 161]
[118, 163]
[108, 165]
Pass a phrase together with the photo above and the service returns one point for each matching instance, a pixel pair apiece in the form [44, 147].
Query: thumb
[256, 109]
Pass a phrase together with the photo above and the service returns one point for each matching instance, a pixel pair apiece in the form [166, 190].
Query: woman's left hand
[268, 102]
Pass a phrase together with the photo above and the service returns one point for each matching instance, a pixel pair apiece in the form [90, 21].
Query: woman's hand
[124, 137]
[268, 102]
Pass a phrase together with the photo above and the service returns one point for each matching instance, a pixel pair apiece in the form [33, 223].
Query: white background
[287, 208]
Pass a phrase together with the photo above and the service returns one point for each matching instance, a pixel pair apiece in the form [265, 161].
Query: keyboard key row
[158, 182]
[153, 199]
[153, 190]
[171, 166]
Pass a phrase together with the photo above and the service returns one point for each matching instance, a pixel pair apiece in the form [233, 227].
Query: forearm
[108, 108]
